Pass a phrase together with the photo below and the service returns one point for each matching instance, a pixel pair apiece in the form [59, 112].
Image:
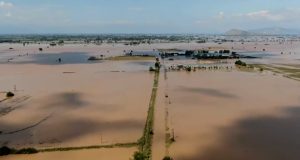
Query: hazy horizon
[145, 17]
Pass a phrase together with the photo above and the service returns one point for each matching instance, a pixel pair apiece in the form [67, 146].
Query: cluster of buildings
[187, 54]
[202, 54]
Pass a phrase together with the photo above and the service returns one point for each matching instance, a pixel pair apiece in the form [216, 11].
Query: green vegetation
[295, 75]
[117, 145]
[169, 139]
[129, 58]
[145, 142]
[157, 65]
[7, 151]
[285, 70]
[127, 39]
[261, 69]
[240, 63]
[139, 156]
[167, 158]
[61, 42]
[189, 68]
[27, 151]
[93, 58]
[9, 94]
[151, 69]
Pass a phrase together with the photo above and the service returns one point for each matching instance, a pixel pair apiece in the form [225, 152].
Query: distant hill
[275, 31]
[263, 31]
[237, 32]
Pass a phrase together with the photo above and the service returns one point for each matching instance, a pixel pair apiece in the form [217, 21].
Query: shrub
[10, 94]
[61, 42]
[27, 151]
[167, 158]
[240, 63]
[151, 69]
[189, 68]
[92, 58]
[172, 139]
[157, 65]
[5, 151]
[139, 156]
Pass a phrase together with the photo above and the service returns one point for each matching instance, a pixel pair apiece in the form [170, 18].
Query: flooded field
[232, 115]
[67, 109]
[220, 112]
[135, 80]
[112, 153]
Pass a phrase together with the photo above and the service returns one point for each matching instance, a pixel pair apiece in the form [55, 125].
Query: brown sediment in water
[93, 154]
[106, 103]
[85, 108]
[206, 107]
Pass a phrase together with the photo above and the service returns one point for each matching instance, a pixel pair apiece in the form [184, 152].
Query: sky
[145, 16]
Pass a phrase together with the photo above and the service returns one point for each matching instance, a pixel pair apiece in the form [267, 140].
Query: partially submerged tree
[151, 69]
[9, 94]
[139, 156]
[167, 158]
[60, 42]
[27, 151]
[6, 151]
[240, 63]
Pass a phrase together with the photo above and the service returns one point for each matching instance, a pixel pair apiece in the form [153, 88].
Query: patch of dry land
[212, 114]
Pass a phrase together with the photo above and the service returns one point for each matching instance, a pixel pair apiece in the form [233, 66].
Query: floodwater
[49, 58]
[94, 154]
[74, 109]
[233, 115]
[257, 54]
[214, 114]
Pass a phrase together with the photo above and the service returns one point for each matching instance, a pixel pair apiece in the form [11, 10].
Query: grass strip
[117, 145]
[145, 142]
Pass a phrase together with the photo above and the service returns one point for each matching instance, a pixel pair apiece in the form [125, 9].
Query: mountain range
[263, 31]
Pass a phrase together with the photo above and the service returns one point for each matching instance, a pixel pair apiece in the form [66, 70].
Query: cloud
[6, 4]
[265, 15]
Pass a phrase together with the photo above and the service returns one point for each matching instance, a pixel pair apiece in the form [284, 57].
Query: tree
[27, 151]
[189, 68]
[10, 94]
[167, 158]
[151, 69]
[61, 42]
[157, 64]
[139, 156]
[5, 151]
[240, 63]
